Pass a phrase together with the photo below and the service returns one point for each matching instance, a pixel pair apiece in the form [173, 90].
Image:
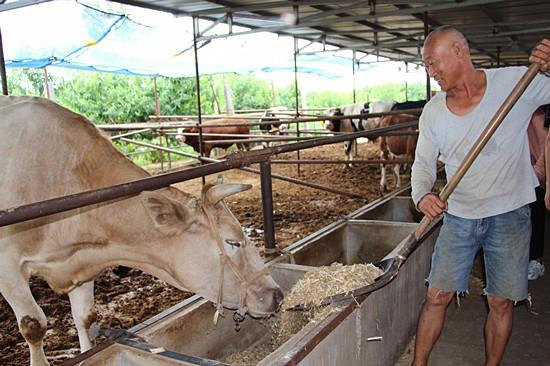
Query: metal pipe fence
[236, 160]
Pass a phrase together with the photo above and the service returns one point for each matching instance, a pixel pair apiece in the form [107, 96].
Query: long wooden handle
[482, 140]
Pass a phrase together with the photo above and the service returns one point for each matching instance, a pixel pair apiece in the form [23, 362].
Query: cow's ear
[170, 217]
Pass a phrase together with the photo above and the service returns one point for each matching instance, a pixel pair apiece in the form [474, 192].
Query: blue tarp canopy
[66, 33]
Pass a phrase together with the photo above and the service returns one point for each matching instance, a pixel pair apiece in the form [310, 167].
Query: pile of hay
[282, 327]
[310, 290]
[328, 281]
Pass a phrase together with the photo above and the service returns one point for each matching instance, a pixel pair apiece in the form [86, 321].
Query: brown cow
[392, 147]
[193, 141]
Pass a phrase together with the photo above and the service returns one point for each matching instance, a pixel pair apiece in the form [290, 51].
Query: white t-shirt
[501, 178]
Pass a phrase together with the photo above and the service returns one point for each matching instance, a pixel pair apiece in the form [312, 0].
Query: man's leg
[497, 328]
[430, 324]
[506, 253]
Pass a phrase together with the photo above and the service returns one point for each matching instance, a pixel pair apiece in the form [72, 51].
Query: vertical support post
[304, 108]
[3, 68]
[157, 113]
[46, 84]
[355, 144]
[296, 99]
[406, 83]
[426, 32]
[498, 56]
[267, 207]
[354, 60]
[156, 93]
[376, 44]
[168, 153]
[197, 78]
[161, 154]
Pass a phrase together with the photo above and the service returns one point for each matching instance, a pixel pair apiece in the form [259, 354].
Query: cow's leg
[383, 179]
[383, 156]
[265, 144]
[82, 302]
[396, 169]
[242, 146]
[30, 317]
[349, 152]
[214, 153]
[397, 176]
[207, 150]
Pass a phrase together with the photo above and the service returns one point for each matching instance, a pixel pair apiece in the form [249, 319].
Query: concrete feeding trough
[371, 330]
[399, 209]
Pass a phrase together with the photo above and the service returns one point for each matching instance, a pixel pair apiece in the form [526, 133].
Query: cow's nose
[278, 297]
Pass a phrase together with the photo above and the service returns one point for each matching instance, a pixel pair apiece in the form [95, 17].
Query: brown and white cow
[356, 124]
[193, 141]
[49, 151]
[395, 147]
[398, 147]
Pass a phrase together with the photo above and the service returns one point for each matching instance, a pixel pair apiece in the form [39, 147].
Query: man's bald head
[447, 35]
[446, 57]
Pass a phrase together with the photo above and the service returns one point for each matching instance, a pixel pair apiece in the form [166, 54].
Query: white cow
[49, 151]
[356, 124]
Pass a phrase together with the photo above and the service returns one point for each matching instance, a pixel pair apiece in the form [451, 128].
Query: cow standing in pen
[398, 147]
[271, 123]
[50, 152]
[193, 140]
[350, 125]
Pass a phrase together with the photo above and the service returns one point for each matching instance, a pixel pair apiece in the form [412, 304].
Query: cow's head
[333, 124]
[179, 135]
[210, 254]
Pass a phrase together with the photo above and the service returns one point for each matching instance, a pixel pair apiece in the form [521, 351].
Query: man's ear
[457, 48]
[170, 217]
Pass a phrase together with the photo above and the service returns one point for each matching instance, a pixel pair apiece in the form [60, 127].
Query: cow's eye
[233, 242]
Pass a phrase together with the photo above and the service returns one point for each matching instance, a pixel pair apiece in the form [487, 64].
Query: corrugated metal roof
[499, 31]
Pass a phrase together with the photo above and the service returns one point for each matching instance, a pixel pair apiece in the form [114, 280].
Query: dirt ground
[126, 298]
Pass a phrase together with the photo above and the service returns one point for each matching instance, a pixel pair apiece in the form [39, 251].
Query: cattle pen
[373, 328]
[364, 331]
[237, 160]
[164, 128]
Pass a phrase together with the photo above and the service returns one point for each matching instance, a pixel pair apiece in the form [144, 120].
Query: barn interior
[500, 33]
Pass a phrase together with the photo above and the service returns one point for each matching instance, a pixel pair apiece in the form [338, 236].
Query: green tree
[248, 92]
[26, 81]
[177, 96]
[108, 98]
[326, 98]
[286, 96]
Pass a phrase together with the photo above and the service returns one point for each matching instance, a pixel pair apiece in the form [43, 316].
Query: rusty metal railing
[240, 159]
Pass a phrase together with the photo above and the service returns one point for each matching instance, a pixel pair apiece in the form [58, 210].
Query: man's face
[437, 60]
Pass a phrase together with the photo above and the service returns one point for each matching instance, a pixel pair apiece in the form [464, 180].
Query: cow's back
[49, 151]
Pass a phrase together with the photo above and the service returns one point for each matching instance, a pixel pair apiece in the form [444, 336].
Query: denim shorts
[504, 239]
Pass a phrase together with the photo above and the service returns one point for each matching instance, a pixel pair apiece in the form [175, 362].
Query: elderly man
[489, 208]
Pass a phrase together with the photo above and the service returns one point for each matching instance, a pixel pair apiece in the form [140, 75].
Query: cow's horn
[218, 192]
